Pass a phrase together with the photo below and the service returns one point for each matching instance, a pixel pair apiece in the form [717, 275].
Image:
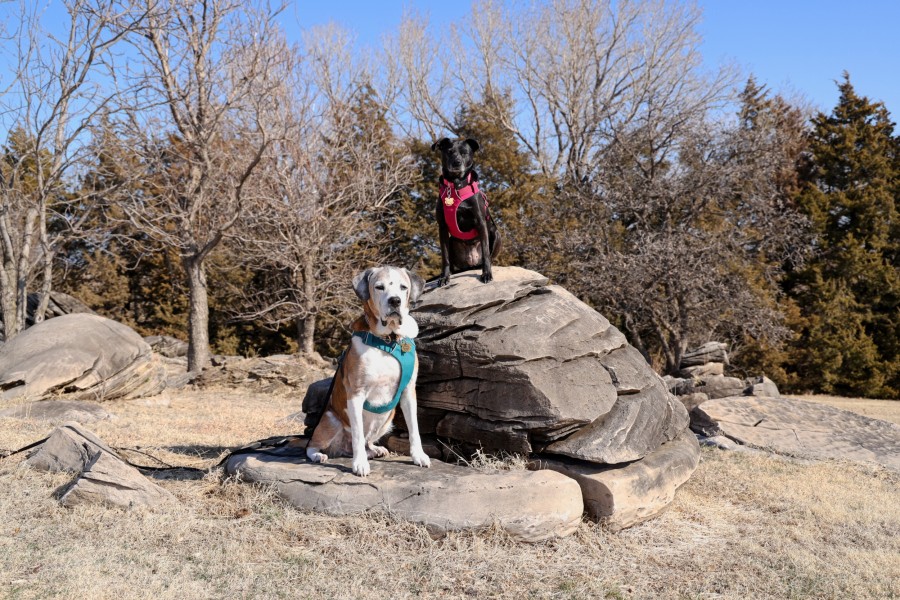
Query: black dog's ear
[416, 285]
[442, 144]
[473, 144]
[361, 284]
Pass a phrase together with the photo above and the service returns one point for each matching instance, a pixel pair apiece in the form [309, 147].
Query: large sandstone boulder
[530, 506]
[800, 428]
[538, 369]
[78, 356]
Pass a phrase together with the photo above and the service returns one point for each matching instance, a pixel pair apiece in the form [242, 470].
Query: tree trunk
[306, 329]
[306, 326]
[47, 284]
[8, 303]
[198, 316]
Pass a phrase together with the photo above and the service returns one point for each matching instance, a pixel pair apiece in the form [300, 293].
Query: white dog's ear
[416, 285]
[361, 284]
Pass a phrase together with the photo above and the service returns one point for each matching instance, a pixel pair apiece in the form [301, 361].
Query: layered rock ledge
[529, 506]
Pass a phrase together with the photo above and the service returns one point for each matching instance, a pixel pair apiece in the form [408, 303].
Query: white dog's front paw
[377, 451]
[361, 467]
[318, 457]
[421, 459]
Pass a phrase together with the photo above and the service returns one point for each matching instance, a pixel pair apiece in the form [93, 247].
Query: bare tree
[48, 107]
[579, 71]
[327, 185]
[214, 69]
[694, 229]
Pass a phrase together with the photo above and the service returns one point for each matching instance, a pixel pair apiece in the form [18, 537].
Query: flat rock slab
[530, 506]
[57, 412]
[623, 496]
[799, 428]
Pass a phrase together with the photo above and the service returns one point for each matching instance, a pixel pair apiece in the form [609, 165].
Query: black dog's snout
[394, 301]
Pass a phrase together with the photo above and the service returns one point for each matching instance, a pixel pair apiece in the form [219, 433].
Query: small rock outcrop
[702, 377]
[102, 475]
[108, 480]
[78, 356]
[69, 448]
[278, 374]
[800, 428]
[529, 506]
[168, 346]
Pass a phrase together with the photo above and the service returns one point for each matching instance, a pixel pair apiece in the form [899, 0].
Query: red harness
[451, 199]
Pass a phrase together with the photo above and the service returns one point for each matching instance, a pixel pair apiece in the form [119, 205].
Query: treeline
[182, 168]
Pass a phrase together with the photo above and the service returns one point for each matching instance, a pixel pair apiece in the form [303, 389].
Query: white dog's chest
[380, 374]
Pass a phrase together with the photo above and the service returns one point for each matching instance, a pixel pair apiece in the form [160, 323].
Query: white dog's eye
[380, 287]
[404, 287]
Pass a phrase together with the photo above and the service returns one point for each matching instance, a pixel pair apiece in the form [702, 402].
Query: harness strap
[404, 350]
[451, 198]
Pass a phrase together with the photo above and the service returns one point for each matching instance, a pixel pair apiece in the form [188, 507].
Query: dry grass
[744, 526]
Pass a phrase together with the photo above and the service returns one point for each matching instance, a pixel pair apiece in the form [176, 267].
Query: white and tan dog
[360, 409]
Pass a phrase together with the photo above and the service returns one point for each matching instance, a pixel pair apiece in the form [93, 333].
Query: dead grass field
[744, 526]
[886, 410]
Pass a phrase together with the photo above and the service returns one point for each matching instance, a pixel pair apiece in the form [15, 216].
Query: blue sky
[793, 46]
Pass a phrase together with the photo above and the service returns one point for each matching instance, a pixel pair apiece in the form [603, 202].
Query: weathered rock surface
[168, 346]
[80, 356]
[800, 428]
[57, 412]
[622, 496]
[530, 506]
[107, 479]
[279, 374]
[710, 352]
[714, 386]
[762, 386]
[692, 401]
[69, 448]
[531, 363]
[704, 370]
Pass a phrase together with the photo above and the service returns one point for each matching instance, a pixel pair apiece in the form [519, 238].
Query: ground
[744, 526]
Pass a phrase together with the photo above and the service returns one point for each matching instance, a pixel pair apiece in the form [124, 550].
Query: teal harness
[404, 350]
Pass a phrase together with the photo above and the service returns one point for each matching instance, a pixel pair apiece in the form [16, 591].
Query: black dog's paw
[486, 277]
[443, 281]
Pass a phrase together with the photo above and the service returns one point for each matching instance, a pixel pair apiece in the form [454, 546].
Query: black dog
[464, 223]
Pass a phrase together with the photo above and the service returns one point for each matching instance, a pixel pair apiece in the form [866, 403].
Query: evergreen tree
[850, 293]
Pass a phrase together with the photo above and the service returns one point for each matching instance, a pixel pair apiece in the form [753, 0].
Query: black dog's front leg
[481, 222]
[444, 236]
